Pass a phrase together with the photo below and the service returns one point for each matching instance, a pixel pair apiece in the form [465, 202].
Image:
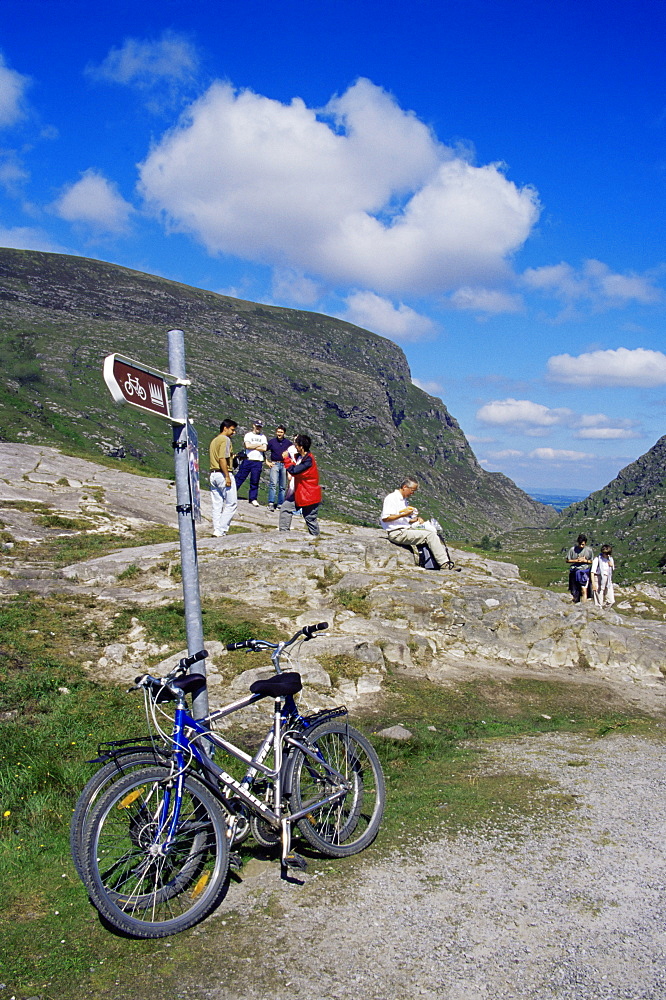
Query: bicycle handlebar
[307, 632]
[157, 684]
[184, 664]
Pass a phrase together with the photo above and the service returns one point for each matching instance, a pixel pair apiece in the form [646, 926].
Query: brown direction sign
[134, 383]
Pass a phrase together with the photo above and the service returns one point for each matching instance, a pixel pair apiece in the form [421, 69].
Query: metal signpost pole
[186, 529]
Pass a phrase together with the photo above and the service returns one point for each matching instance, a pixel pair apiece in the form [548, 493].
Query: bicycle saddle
[282, 684]
[190, 684]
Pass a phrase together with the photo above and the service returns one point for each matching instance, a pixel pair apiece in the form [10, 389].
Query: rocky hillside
[629, 512]
[387, 616]
[350, 389]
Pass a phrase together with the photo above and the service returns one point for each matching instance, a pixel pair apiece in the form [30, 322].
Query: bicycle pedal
[294, 860]
[235, 861]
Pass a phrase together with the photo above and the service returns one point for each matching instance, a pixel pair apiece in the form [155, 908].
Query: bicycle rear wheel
[343, 755]
[101, 779]
[142, 887]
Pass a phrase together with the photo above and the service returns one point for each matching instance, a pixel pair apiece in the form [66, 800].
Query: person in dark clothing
[580, 558]
[307, 491]
[277, 477]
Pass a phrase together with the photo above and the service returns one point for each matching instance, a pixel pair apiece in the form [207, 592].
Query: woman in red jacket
[307, 491]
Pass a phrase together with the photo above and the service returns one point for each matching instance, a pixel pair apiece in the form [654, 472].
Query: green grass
[53, 944]
[353, 600]
[342, 666]
[539, 554]
[66, 523]
[436, 778]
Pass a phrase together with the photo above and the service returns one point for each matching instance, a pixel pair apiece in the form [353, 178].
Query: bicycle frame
[186, 737]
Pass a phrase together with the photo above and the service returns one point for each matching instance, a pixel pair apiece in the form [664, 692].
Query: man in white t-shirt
[255, 448]
[405, 527]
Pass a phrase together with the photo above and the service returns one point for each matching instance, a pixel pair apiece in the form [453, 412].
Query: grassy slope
[629, 513]
[54, 945]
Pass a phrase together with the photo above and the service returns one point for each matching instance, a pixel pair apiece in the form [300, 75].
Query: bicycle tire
[105, 776]
[350, 824]
[140, 891]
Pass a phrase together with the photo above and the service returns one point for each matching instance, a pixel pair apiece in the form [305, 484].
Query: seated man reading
[405, 527]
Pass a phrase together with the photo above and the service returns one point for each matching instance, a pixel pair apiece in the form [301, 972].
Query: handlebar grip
[201, 655]
[239, 645]
[309, 629]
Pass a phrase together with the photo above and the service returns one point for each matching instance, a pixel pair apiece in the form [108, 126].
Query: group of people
[293, 477]
[293, 485]
[590, 574]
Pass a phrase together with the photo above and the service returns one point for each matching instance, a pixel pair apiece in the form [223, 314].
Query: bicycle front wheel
[147, 874]
[341, 756]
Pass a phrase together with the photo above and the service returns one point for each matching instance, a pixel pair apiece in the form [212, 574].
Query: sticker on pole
[146, 388]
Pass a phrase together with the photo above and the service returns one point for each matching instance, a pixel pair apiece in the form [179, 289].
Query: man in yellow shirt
[222, 483]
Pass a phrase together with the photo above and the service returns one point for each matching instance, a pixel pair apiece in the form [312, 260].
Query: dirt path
[573, 907]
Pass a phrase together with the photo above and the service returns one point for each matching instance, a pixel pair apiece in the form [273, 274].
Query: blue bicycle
[153, 847]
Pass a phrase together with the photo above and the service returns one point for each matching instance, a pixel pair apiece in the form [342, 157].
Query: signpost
[147, 388]
[164, 394]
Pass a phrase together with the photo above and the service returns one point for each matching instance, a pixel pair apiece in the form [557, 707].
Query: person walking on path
[307, 491]
[405, 527]
[580, 558]
[255, 449]
[601, 576]
[277, 477]
[222, 484]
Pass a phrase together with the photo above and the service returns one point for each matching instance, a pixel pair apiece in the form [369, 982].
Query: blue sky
[481, 182]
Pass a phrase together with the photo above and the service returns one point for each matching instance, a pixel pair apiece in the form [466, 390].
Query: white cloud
[143, 64]
[27, 238]
[597, 426]
[497, 456]
[486, 300]
[375, 313]
[536, 420]
[13, 87]
[638, 368]
[13, 174]
[96, 202]
[522, 413]
[594, 285]
[431, 387]
[607, 433]
[360, 192]
[559, 455]
[290, 286]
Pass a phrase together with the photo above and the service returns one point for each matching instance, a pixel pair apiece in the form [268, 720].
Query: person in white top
[255, 447]
[405, 527]
[601, 575]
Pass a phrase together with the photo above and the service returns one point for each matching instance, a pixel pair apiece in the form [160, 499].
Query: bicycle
[154, 846]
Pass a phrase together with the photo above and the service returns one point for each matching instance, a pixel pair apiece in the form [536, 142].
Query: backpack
[426, 558]
[238, 458]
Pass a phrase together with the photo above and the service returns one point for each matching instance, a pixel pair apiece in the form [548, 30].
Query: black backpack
[426, 558]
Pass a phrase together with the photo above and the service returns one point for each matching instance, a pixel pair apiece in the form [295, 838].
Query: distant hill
[630, 513]
[351, 390]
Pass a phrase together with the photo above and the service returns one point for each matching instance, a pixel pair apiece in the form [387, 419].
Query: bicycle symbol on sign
[132, 385]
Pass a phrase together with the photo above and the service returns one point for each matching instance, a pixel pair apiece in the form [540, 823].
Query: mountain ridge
[349, 388]
[631, 510]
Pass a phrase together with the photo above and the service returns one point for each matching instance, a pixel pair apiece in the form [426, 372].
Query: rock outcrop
[386, 614]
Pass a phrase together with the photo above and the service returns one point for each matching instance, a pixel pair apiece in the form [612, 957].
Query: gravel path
[573, 908]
